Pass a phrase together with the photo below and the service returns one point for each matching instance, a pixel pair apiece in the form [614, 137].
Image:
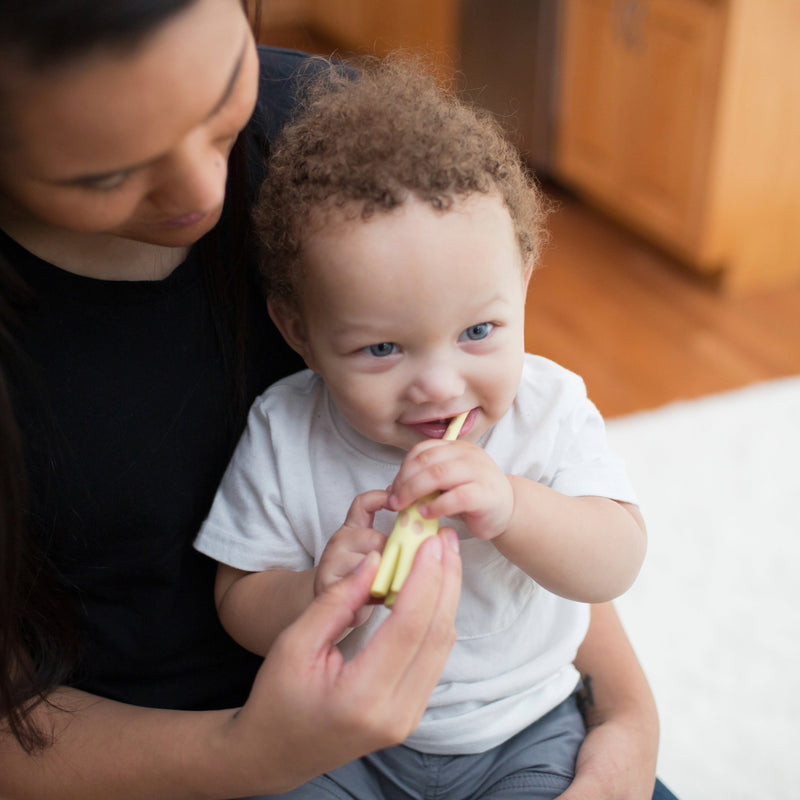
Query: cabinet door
[592, 102]
[639, 95]
[368, 26]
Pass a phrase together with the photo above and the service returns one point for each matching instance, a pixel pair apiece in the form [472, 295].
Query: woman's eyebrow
[226, 94]
[228, 91]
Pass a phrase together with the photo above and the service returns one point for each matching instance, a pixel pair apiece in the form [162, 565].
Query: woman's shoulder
[279, 62]
[281, 73]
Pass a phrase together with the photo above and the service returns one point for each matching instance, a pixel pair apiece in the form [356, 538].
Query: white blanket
[715, 612]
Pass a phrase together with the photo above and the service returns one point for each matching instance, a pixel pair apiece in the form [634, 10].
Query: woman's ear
[289, 321]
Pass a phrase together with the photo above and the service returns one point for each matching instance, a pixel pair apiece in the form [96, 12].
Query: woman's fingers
[401, 664]
[407, 654]
[301, 718]
[326, 619]
[313, 711]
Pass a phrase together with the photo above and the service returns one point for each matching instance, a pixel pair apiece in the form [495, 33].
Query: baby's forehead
[353, 239]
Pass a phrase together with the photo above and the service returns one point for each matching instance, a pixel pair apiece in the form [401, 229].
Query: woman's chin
[178, 232]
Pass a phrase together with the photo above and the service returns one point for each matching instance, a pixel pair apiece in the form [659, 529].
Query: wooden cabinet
[379, 26]
[681, 118]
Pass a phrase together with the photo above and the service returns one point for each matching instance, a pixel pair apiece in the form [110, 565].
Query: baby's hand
[348, 547]
[472, 486]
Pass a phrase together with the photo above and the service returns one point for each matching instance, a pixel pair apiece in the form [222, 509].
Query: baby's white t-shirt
[298, 467]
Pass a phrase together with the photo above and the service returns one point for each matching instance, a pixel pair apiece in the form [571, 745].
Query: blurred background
[668, 131]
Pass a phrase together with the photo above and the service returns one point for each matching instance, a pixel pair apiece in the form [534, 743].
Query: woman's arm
[618, 758]
[308, 712]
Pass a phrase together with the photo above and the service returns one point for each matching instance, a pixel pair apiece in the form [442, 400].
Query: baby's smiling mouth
[435, 428]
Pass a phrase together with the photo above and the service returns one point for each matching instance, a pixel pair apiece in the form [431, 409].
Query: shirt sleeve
[556, 436]
[585, 464]
[248, 526]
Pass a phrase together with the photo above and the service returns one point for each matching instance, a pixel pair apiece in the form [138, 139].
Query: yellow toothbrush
[409, 531]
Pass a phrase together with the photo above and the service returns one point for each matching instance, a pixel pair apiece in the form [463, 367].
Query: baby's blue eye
[477, 332]
[382, 350]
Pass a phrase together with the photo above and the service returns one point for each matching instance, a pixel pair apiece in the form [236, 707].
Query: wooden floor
[640, 329]
[644, 331]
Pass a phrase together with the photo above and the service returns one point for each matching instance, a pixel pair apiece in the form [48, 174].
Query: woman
[133, 340]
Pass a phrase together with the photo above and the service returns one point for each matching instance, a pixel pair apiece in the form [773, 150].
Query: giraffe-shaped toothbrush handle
[409, 531]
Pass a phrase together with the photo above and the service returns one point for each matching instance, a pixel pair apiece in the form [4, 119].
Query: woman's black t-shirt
[125, 418]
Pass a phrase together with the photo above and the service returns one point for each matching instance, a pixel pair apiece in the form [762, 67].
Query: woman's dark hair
[47, 33]
[37, 646]
[37, 641]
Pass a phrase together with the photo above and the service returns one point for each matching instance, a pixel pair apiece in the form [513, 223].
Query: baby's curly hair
[363, 141]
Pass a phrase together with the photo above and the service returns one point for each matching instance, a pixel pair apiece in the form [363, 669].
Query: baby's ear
[289, 321]
[526, 277]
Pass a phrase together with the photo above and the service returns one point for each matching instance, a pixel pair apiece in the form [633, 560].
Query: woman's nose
[193, 179]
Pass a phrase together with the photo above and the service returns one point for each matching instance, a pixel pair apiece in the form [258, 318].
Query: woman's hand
[617, 760]
[310, 711]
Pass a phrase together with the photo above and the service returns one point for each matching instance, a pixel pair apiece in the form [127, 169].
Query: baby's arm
[584, 548]
[255, 607]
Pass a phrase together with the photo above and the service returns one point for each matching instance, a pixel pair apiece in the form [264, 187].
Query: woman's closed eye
[477, 332]
[104, 183]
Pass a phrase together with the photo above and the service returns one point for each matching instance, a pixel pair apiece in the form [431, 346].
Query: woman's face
[135, 143]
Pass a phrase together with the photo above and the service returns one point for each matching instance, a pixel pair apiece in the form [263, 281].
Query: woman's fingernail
[452, 540]
[436, 548]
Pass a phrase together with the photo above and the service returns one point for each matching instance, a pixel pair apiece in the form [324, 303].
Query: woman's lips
[185, 220]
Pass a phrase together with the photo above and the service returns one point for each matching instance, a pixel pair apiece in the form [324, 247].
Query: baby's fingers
[361, 513]
[485, 508]
[435, 468]
[463, 498]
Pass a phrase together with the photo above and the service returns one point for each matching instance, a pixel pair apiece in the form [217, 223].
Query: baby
[400, 231]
